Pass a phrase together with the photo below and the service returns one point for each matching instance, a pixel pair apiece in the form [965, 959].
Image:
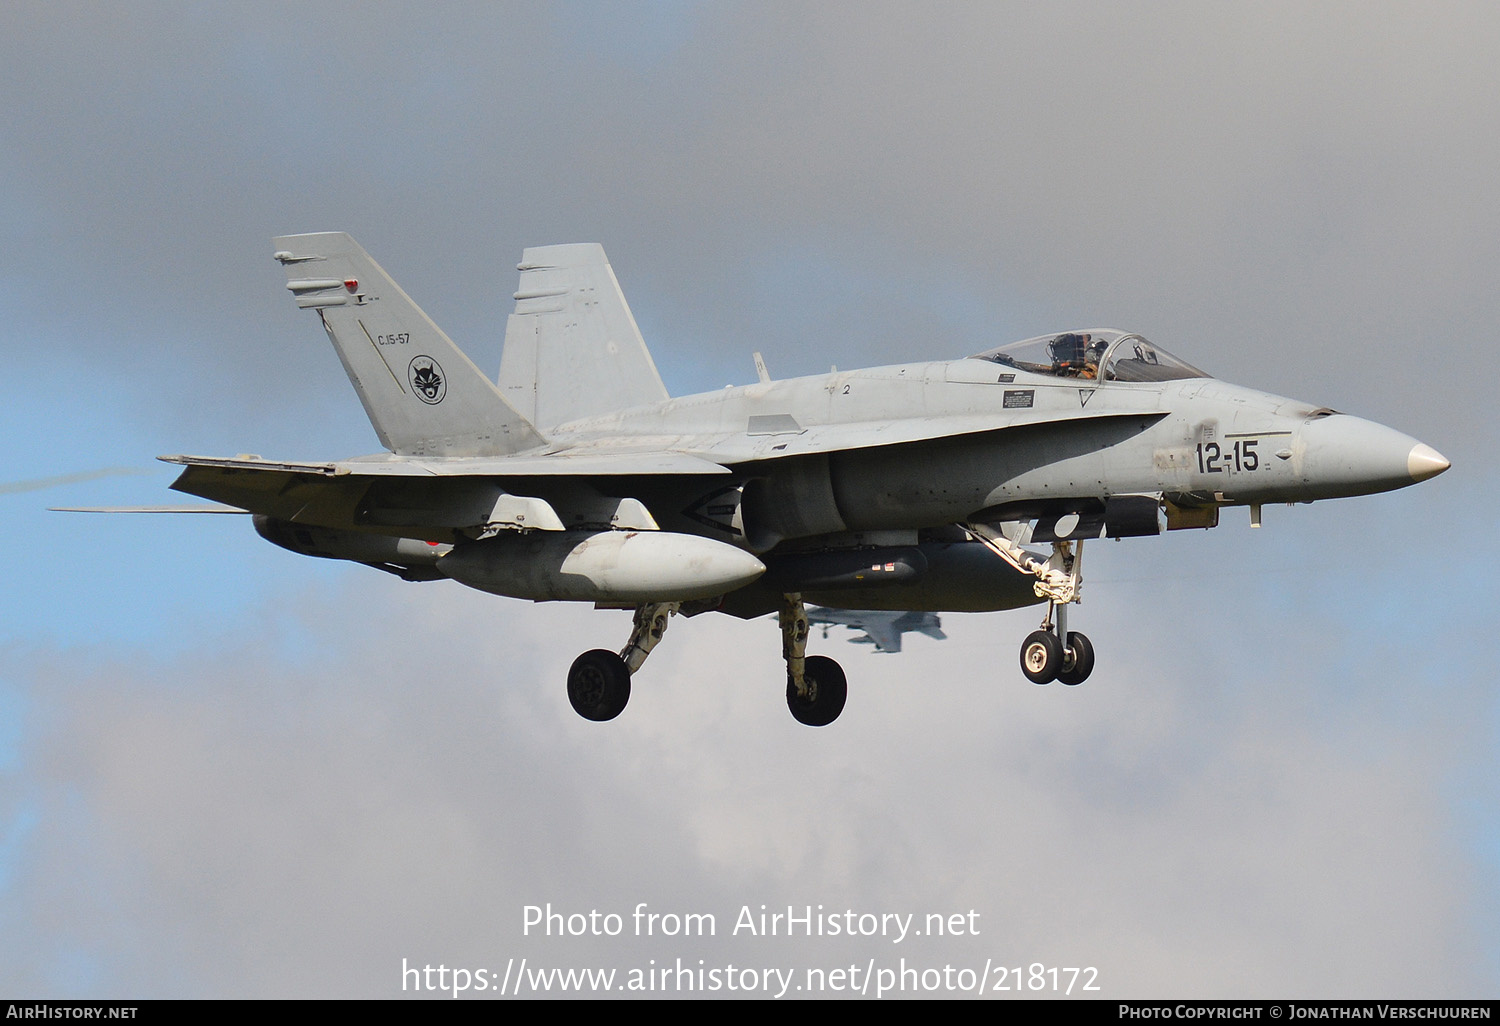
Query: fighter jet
[965, 485]
[878, 627]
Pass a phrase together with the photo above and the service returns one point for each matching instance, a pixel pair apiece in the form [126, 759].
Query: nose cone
[1346, 455]
[1424, 461]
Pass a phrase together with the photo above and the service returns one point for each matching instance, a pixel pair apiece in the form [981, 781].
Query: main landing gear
[598, 685]
[599, 681]
[816, 687]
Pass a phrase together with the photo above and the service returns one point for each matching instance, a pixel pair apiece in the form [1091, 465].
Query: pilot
[1068, 354]
[1093, 352]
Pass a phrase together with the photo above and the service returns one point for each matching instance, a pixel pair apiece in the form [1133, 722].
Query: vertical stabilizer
[422, 394]
[572, 348]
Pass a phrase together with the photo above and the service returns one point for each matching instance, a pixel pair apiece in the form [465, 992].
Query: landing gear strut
[815, 685]
[1053, 652]
[599, 681]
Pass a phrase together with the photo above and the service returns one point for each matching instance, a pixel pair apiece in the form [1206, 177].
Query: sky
[226, 771]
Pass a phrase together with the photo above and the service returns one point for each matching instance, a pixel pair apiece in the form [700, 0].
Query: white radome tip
[1424, 461]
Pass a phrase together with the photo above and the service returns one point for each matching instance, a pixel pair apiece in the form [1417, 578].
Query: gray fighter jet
[963, 485]
[878, 627]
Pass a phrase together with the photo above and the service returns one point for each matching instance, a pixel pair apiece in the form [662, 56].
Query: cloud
[1249, 186]
[251, 822]
[57, 480]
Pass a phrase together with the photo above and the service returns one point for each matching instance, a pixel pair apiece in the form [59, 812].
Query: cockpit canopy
[1081, 354]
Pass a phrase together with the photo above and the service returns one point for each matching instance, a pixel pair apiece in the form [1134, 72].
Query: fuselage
[859, 489]
[929, 444]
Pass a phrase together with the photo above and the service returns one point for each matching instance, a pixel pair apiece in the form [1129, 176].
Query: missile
[848, 568]
[412, 555]
[961, 576]
[602, 566]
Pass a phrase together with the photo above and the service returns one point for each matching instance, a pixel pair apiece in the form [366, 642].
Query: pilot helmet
[1066, 349]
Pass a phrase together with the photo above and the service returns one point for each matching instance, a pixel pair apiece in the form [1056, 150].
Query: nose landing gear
[1078, 659]
[1053, 652]
[1041, 657]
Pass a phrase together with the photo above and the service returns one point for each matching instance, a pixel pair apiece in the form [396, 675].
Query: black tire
[827, 687]
[1041, 657]
[598, 685]
[1078, 660]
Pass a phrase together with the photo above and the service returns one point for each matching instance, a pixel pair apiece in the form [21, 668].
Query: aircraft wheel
[827, 689]
[1041, 657]
[598, 685]
[1078, 660]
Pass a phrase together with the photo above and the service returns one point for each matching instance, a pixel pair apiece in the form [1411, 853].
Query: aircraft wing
[463, 491]
[598, 463]
[420, 496]
[882, 633]
[769, 437]
[145, 509]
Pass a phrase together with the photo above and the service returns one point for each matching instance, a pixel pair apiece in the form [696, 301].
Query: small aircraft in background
[964, 485]
[879, 627]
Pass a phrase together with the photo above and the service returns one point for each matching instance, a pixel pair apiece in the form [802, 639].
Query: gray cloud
[1252, 185]
[251, 820]
[57, 480]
